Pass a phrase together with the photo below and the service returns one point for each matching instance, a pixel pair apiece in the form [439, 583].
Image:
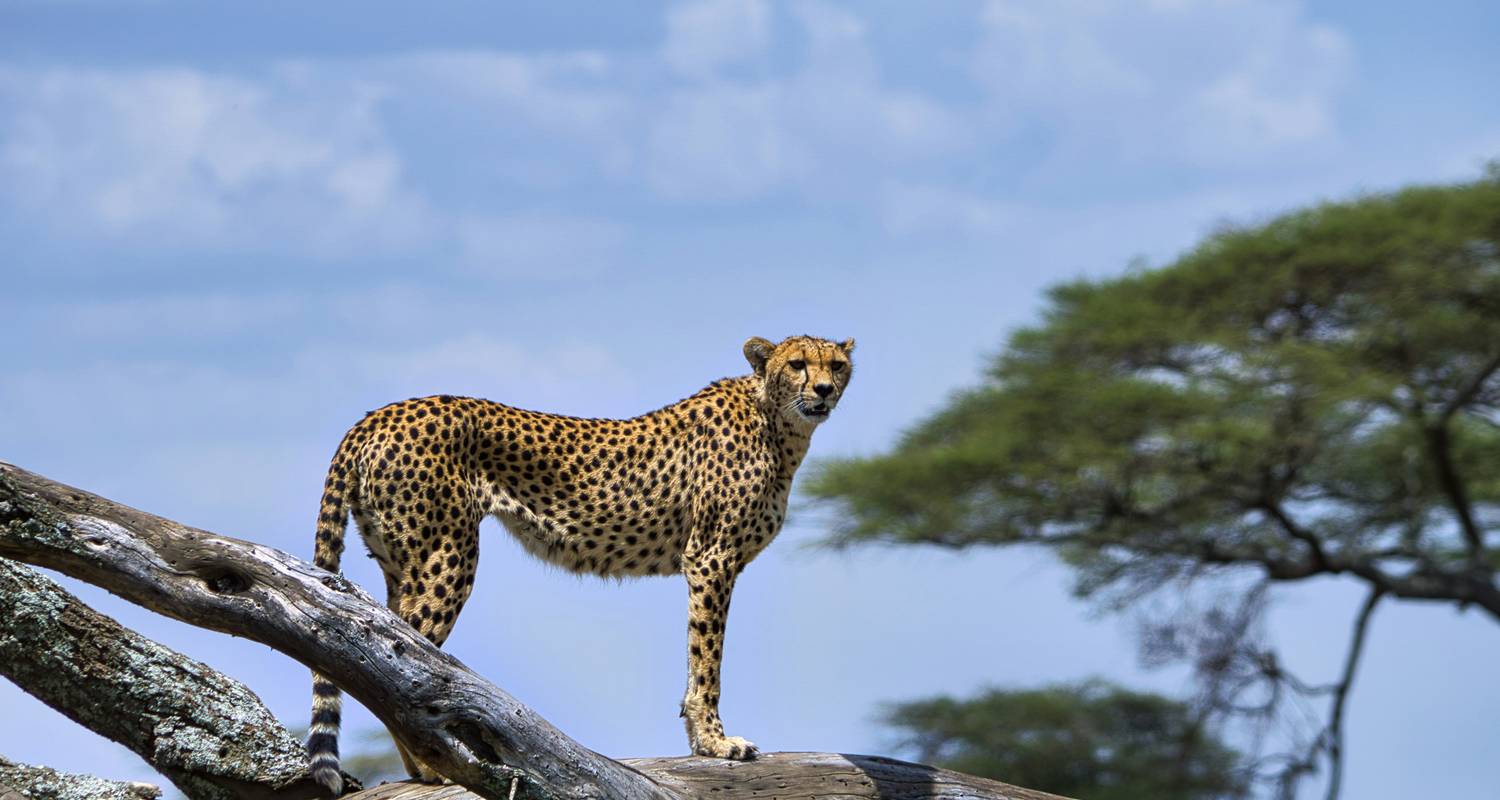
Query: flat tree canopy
[1312, 396]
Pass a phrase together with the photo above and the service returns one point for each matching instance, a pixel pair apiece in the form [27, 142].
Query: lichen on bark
[207, 733]
[44, 783]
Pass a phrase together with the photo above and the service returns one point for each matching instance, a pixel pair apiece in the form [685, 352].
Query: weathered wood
[461, 724]
[778, 776]
[824, 775]
[206, 732]
[27, 782]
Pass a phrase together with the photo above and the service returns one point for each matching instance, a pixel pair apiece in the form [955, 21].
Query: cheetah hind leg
[427, 585]
[415, 767]
[437, 634]
[408, 605]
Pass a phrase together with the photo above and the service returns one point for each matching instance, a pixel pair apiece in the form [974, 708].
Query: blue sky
[228, 231]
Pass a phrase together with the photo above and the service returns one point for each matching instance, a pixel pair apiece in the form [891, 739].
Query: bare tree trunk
[464, 726]
[206, 732]
[25, 782]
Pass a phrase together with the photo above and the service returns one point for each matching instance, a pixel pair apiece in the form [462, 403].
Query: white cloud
[725, 143]
[576, 94]
[197, 159]
[832, 127]
[679, 124]
[304, 158]
[540, 245]
[1282, 89]
[915, 209]
[1221, 82]
[172, 402]
[318, 158]
[482, 365]
[195, 317]
[706, 35]
[298, 161]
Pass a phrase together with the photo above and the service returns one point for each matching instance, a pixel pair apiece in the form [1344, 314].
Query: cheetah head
[804, 376]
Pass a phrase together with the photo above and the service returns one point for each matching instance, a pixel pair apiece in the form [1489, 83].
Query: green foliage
[1092, 740]
[1307, 395]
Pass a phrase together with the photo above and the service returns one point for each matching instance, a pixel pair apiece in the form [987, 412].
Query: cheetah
[697, 488]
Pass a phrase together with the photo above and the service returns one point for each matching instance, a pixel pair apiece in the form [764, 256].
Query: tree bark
[783, 776]
[204, 731]
[464, 726]
[26, 782]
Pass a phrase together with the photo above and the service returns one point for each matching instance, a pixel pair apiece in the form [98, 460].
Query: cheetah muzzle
[697, 488]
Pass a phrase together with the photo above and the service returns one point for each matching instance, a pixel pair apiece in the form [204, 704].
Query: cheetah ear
[847, 346]
[758, 352]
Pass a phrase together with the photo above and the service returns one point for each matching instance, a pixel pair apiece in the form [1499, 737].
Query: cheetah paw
[730, 747]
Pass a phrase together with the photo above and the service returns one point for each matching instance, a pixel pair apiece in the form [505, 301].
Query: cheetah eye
[837, 366]
[799, 364]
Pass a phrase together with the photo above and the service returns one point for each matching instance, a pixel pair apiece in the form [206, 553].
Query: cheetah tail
[323, 738]
[333, 520]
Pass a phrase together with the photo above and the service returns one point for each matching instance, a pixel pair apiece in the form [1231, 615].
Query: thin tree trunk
[1335, 732]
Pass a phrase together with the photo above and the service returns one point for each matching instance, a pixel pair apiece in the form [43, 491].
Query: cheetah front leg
[710, 579]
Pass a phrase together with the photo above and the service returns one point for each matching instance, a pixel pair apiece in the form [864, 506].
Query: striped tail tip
[323, 762]
[323, 737]
[328, 776]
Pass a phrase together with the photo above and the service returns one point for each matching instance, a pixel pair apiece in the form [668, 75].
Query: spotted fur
[698, 488]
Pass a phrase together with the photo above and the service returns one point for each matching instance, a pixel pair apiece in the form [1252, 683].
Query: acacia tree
[1309, 397]
[1093, 740]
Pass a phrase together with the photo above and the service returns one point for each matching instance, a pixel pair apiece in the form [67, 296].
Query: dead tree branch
[26, 782]
[206, 732]
[464, 726]
[789, 776]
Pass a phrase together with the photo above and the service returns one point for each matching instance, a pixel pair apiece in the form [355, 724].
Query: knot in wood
[225, 581]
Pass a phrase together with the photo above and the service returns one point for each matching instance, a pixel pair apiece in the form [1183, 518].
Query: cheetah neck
[791, 440]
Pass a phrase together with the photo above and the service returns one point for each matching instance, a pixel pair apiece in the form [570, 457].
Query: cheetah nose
[823, 389]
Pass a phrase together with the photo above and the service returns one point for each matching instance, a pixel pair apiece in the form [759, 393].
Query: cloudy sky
[228, 231]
